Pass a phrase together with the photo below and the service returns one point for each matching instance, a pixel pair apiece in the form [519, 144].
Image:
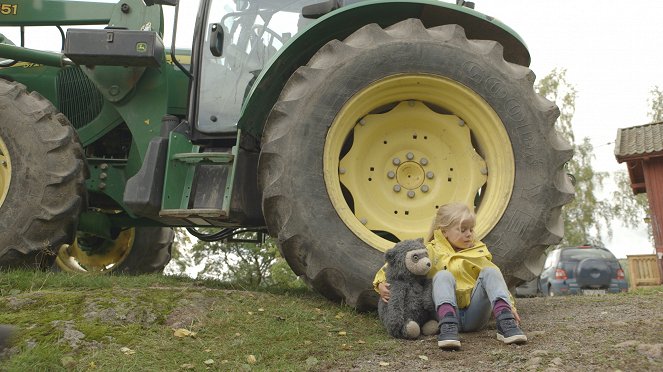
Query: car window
[578, 254]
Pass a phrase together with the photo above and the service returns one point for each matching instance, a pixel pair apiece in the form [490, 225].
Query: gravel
[588, 333]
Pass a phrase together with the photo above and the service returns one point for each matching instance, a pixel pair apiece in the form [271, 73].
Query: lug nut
[423, 161]
[430, 175]
[424, 188]
[461, 122]
[409, 156]
[410, 194]
[362, 122]
[484, 171]
[391, 174]
[397, 188]
[341, 170]
[396, 161]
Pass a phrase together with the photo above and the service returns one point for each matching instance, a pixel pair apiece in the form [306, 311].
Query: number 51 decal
[8, 9]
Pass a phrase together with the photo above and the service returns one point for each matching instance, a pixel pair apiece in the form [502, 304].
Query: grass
[119, 323]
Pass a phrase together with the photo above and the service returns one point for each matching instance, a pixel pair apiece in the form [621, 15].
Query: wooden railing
[643, 270]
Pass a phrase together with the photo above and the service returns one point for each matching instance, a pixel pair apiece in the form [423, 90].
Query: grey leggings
[490, 287]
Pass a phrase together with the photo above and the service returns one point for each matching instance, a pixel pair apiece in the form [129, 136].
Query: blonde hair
[449, 215]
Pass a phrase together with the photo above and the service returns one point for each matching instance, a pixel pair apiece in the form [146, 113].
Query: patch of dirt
[117, 312]
[190, 312]
[16, 303]
[73, 337]
[597, 333]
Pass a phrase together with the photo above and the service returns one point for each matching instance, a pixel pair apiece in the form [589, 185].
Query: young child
[467, 285]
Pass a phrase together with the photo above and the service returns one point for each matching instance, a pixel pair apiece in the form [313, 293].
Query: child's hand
[383, 288]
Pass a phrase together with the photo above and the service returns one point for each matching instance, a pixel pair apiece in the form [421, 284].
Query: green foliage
[244, 264]
[239, 263]
[179, 260]
[586, 217]
[555, 87]
[656, 104]
[631, 209]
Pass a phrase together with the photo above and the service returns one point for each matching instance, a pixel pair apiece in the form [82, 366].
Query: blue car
[581, 270]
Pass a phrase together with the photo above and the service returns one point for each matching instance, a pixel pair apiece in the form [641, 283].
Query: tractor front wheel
[41, 178]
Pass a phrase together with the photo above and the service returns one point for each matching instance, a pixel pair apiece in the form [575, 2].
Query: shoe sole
[449, 344]
[516, 339]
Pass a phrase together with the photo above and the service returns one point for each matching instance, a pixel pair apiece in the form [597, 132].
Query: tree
[555, 88]
[242, 262]
[656, 104]
[585, 217]
[180, 258]
[631, 209]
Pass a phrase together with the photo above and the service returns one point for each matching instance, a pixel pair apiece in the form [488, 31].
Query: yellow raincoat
[464, 265]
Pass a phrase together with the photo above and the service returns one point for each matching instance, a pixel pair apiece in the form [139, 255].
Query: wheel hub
[405, 145]
[390, 169]
[410, 175]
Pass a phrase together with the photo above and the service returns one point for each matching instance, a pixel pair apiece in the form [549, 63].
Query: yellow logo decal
[141, 47]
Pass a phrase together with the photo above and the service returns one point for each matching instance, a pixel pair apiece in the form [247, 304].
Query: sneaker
[508, 330]
[448, 338]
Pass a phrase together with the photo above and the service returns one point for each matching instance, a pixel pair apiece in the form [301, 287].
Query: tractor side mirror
[216, 39]
[317, 10]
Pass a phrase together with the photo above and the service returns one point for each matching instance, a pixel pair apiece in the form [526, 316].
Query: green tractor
[336, 126]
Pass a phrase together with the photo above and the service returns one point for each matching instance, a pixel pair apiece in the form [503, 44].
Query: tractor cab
[239, 39]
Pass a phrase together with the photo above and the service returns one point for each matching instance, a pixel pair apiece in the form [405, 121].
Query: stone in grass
[311, 362]
[68, 362]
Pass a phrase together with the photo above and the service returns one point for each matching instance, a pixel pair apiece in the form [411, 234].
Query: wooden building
[641, 148]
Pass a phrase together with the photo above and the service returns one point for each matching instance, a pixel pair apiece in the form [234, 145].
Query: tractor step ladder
[202, 187]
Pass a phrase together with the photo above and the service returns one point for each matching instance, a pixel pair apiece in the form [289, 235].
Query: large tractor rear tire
[379, 130]
[42, 178]
[139, 250]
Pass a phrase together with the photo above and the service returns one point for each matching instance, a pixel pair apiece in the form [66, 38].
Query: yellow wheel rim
[405, 145]
[74, 258]
[5, 171]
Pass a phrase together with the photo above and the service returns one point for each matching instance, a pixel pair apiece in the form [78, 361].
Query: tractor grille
[79, 99]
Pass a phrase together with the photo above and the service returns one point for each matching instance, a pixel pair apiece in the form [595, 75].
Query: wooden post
[653, 174]
[642, 270]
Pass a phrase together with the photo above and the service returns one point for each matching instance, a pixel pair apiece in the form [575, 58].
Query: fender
[344, 21]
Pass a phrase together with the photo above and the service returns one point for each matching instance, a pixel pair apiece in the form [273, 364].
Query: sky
[612, 52]
[613, 55]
